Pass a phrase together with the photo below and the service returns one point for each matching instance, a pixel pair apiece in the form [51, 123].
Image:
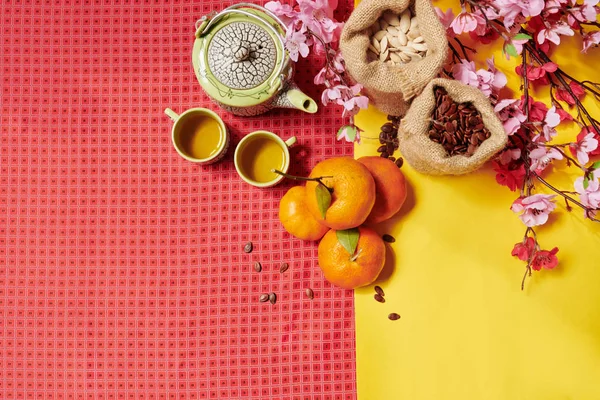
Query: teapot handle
[259, 8]
[207, 21]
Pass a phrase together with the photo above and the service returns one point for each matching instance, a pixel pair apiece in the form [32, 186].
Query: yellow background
[467, 330]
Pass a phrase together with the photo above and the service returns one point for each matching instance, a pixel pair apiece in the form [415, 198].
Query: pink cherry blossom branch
[588, 210]
[529, 123]
[329, 63]
[569, 159]
[542, 58]
[525, 85]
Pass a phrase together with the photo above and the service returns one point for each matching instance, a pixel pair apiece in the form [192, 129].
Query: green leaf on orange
[348, 239]
[586, 182]
[323, 198]
[596, 165]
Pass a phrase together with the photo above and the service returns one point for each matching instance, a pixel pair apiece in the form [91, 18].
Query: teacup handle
[172, 114]
[291, 141]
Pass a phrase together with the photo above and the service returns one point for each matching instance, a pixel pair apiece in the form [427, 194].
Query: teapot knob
[241, 50]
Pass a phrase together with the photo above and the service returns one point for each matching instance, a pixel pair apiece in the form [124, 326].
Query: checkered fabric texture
[122, 274]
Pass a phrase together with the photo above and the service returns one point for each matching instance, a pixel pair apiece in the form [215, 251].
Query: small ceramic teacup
[199, 135]
[258, 154]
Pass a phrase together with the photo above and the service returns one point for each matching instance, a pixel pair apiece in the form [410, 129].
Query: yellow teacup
[258, 154]
[199, 135]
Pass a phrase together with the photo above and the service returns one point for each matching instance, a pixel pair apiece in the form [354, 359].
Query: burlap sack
[390, 87]
[429, 157]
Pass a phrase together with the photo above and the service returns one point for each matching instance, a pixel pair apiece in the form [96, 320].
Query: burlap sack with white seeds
[431, 158]
[389, 87]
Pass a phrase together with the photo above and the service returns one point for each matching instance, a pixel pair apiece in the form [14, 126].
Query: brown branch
[525, 84]
[561, 151]
[455, 53]
[587, 210]
[542, 58]
[464, 48]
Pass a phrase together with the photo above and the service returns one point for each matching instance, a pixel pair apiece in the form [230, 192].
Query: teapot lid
[241, 55]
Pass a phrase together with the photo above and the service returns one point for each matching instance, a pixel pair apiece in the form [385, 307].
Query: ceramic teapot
[240, 60]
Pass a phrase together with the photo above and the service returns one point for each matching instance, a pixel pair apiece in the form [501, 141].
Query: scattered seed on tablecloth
[388, 238]
[399, 162]
[263, 297]
[379, 298]
[393, 316]
[257, 266]
[272, 298]
[379, 291]
[248, 247]
[284, 267]
[309, 293]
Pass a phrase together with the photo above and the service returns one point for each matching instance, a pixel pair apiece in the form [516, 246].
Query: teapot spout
[294, 98]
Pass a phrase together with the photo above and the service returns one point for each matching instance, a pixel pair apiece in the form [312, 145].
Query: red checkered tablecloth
[122, 274]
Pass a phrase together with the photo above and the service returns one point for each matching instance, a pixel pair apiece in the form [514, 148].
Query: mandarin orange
[390, 188]
[350, 271]
[353, 193]
[295, 217]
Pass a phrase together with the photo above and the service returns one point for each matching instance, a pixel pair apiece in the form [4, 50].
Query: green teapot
[240, 60]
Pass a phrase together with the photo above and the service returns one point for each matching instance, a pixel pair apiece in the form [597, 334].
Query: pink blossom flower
[512, 10]
[551, 121]
[590, 39]
[524, 250]
[329, 75]
[590, 195]
[465, 72]
[552, 33]
[352, 101]
[446, 18]
[284, 11]
[585, 12]
[509, 112]
[322, 75]
[534, 209]
[589, 191]
[499, 79]
[338, 62]
[331, 95]
[572, 21]
[353, 104]
[544, 259]
[468, 22]
[296, 44]
[583, 147]
[318, 17]
[509, 155]
[349, 97]
[552, 118]
[554, 6]
[487, 81]
[541, 157]
[590, 129]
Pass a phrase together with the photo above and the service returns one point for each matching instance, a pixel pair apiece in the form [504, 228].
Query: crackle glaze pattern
[242, 55]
